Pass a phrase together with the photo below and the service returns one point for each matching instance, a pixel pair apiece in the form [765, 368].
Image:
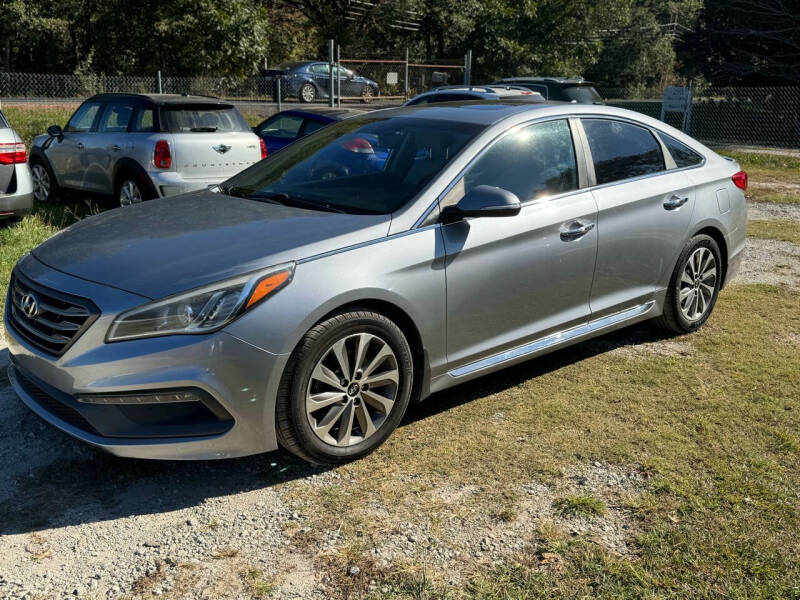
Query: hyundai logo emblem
[29, 305]
[221, 148]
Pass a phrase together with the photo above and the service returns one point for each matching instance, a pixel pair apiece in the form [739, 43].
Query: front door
[67, 156]
[512, 280]
[644, 212]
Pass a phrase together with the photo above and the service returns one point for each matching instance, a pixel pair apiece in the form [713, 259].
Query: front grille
[47, 319]
[52, 405]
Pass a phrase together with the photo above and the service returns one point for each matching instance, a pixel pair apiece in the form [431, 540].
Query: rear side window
[84, 117]
[621, 150]
[283, 126]
[582, 94]
[116, 117]
[185, 118]
[143, 122]
[681, 153]
[534, 162]
[312, 126]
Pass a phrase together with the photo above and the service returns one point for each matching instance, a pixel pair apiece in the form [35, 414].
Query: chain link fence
[736, 116]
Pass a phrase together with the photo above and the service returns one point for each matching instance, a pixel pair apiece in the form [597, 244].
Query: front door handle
[115, 148]
[675, 201]
[81, 146]
[575, 230]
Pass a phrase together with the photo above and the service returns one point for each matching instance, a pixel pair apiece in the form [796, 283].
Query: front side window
[370, 164]
[319, 69]
[84, 117]
[184, 118]
[681, 153]
[533, 162]
[621, 150]
[281, 126]
[116, 117]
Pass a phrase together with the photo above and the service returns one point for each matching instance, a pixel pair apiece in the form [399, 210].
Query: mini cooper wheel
[129, 193]
[345, 389]
[308, 93]
[694, 286]
[44, 184]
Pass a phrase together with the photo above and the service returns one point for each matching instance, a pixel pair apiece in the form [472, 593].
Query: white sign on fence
[391, 78]
[678, 100]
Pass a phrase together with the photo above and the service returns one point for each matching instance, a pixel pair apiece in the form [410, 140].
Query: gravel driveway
[77, 522]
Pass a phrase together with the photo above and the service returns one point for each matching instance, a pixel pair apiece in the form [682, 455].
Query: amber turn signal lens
[266, 286]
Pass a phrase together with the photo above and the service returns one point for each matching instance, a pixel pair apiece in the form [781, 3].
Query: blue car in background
[282, 128]
[309, 80]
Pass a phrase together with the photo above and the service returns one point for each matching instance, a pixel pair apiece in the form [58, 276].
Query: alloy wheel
[129, 193]
[41, 183]
[308, 93]
[367, 94]
[698, 284]
[352, 389]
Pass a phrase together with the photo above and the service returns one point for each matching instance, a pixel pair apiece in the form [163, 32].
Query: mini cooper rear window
[186, 118]
[681, 153]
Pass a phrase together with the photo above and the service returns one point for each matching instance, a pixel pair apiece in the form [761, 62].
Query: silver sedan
[307, 301]
[16, 185]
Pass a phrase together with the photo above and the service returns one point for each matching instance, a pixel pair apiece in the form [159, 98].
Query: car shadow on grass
[53, 480]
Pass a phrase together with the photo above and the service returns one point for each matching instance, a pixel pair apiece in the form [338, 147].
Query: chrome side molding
[554, 339]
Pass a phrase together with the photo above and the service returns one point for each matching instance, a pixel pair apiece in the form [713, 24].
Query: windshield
[362, 165]
[183, 118]
[582, 94]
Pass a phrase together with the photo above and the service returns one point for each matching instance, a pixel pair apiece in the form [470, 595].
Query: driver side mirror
[55, 131]
[483, 201]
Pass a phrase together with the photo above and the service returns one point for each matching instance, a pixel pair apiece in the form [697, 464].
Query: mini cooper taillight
[12, 154]
[740, 180]
[263, 148]
[162, 157]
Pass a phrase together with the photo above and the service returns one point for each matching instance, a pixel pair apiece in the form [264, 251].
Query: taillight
[263, 149]
[13, 153]
[740, 180]
[162, 158]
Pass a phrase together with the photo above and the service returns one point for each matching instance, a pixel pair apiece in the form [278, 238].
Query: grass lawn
[778, 229]
[773, 178]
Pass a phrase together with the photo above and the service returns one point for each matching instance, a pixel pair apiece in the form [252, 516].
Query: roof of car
[480, 112]
[162, 99]
[548, 79]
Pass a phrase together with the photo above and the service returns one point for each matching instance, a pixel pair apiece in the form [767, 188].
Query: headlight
[202, 310]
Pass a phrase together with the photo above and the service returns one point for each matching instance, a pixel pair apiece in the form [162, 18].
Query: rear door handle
[81, 146]
[675, 201]
[575, 230]
[115, 148]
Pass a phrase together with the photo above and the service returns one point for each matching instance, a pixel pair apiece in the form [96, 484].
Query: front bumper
[241, 379]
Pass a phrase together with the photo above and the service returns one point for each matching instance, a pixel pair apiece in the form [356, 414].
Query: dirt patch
[771, 262]
[765, 211]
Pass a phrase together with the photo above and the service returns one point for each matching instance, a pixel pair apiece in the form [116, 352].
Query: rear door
[108, 145]
[209, 141]
[68, 155]
[644, 211]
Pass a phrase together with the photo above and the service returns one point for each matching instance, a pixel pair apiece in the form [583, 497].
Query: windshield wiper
[290, 200]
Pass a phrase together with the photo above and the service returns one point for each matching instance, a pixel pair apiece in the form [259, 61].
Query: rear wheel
[345, 389]
[308, 93]
[45, 188]
[131, 189]
[367, 94]
[694, 286]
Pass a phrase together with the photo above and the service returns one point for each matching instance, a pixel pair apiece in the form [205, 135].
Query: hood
[166, 246]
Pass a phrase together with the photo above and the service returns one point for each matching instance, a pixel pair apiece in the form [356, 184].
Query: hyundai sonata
[308, 300]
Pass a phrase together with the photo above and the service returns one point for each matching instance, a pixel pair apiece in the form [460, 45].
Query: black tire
[145, 188]
[367, 94]
[53, 190]
[294, 430]
[673, 318]
[307, 93]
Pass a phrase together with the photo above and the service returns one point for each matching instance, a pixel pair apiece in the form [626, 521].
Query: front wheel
[345, 389]
[694, 286]
[367, 94]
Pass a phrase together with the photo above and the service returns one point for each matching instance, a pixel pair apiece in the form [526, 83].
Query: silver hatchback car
[381, 259]
[137, 147]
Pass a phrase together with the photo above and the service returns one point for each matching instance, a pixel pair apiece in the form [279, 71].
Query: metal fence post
[278, 85]
[467, 67]
[330, 73]
[405, 78]
[338, 75]
[158, 78]
[687, 116]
